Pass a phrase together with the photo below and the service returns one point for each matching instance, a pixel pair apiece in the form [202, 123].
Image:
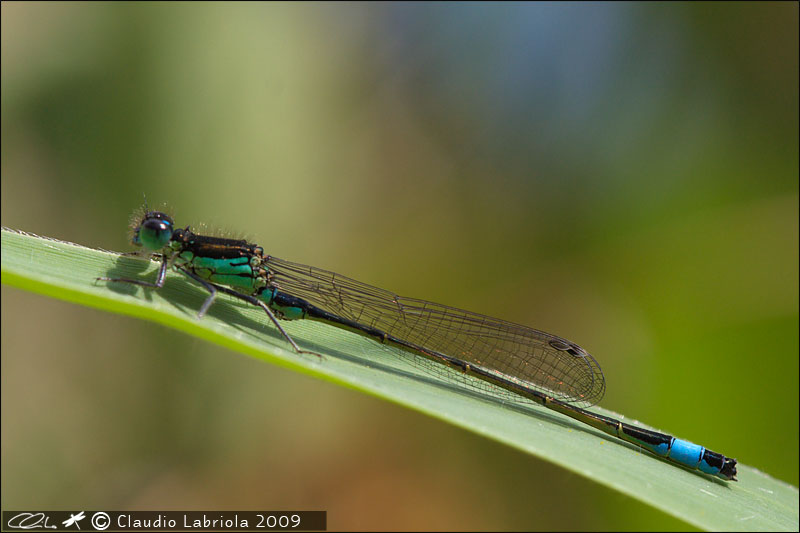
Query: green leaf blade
[68, 272]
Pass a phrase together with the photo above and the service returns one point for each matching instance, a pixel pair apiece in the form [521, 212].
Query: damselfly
[546, 369]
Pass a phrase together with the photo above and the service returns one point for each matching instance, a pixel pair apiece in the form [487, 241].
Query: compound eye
[154, 233]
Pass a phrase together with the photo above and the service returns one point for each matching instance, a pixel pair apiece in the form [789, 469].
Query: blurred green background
[623, 175]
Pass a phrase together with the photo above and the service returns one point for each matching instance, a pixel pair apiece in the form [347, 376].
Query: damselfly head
[151, 229]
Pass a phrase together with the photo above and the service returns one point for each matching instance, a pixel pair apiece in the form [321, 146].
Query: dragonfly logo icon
[74, 519]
